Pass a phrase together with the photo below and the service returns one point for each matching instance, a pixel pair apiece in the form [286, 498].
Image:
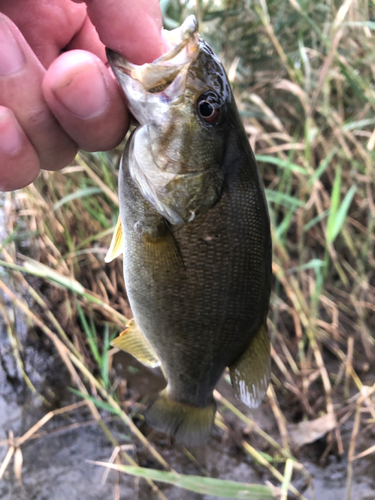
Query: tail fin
[189, 424]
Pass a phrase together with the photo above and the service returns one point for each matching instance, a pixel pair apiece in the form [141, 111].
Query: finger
[88, 39]
[47, 26]
[132, 28]
[21, 76]
[19, 163]
[86, 100]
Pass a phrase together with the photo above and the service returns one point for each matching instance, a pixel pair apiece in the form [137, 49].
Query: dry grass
[302, 73]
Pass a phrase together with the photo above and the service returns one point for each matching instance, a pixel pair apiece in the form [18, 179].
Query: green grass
[303, 81]
[203, 485]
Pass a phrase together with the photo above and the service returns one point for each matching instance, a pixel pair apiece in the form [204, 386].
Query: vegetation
[302, 73]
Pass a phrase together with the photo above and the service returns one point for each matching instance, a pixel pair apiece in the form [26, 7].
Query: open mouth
[158, 75]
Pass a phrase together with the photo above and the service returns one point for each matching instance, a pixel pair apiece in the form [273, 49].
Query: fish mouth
[157, 76]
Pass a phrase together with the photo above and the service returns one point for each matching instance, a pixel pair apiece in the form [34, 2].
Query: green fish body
[196, 236]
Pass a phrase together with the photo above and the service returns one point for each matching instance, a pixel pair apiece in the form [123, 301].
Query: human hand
[52, 104]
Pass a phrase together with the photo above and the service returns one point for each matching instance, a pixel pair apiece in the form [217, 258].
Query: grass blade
[43, 271]
[203, 485]
[322, 167]
[286, 164]
[313, 264]
[80, 193]
[90, 334]
[283, 199]
[343, 210]
[335, 203]
[338, 211]
[97, 402]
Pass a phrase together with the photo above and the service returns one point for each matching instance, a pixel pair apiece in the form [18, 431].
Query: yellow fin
[251, 372]
[190, 425]
[134, 342]
[116, 247]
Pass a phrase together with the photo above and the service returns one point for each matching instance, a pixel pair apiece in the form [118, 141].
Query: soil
[55, 465]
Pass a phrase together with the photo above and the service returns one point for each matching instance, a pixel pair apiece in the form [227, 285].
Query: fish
[194, 232]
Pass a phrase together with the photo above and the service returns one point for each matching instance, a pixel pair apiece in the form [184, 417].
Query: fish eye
[208, 109]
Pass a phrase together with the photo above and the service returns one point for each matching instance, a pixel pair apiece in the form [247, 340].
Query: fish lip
[166, 67]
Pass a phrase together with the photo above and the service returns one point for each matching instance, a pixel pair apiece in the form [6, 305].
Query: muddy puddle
[55, 463]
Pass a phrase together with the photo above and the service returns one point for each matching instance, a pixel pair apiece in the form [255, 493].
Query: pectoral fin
[116, 247]
[250, 373]
[134, 342]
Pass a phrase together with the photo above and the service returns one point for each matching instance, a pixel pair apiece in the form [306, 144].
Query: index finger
[130, 27]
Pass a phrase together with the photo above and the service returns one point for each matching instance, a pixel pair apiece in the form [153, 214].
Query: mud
[55, 465]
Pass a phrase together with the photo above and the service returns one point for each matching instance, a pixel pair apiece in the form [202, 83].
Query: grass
[203, 485]
[302, 76]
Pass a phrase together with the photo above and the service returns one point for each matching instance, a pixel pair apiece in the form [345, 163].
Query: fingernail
[69, 91]
[10, 134]
[11, 56]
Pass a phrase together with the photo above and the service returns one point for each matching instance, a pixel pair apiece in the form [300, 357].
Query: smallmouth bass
[195, 234]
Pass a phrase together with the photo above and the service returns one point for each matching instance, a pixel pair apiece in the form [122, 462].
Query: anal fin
[251, 372]
[135, 343]
[117, 243]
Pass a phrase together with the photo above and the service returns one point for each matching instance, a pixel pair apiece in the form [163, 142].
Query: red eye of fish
[208, 111]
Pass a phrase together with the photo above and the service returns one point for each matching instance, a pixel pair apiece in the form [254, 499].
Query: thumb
[132, 28]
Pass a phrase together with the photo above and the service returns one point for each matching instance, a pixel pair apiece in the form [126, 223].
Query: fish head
[181, 102]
